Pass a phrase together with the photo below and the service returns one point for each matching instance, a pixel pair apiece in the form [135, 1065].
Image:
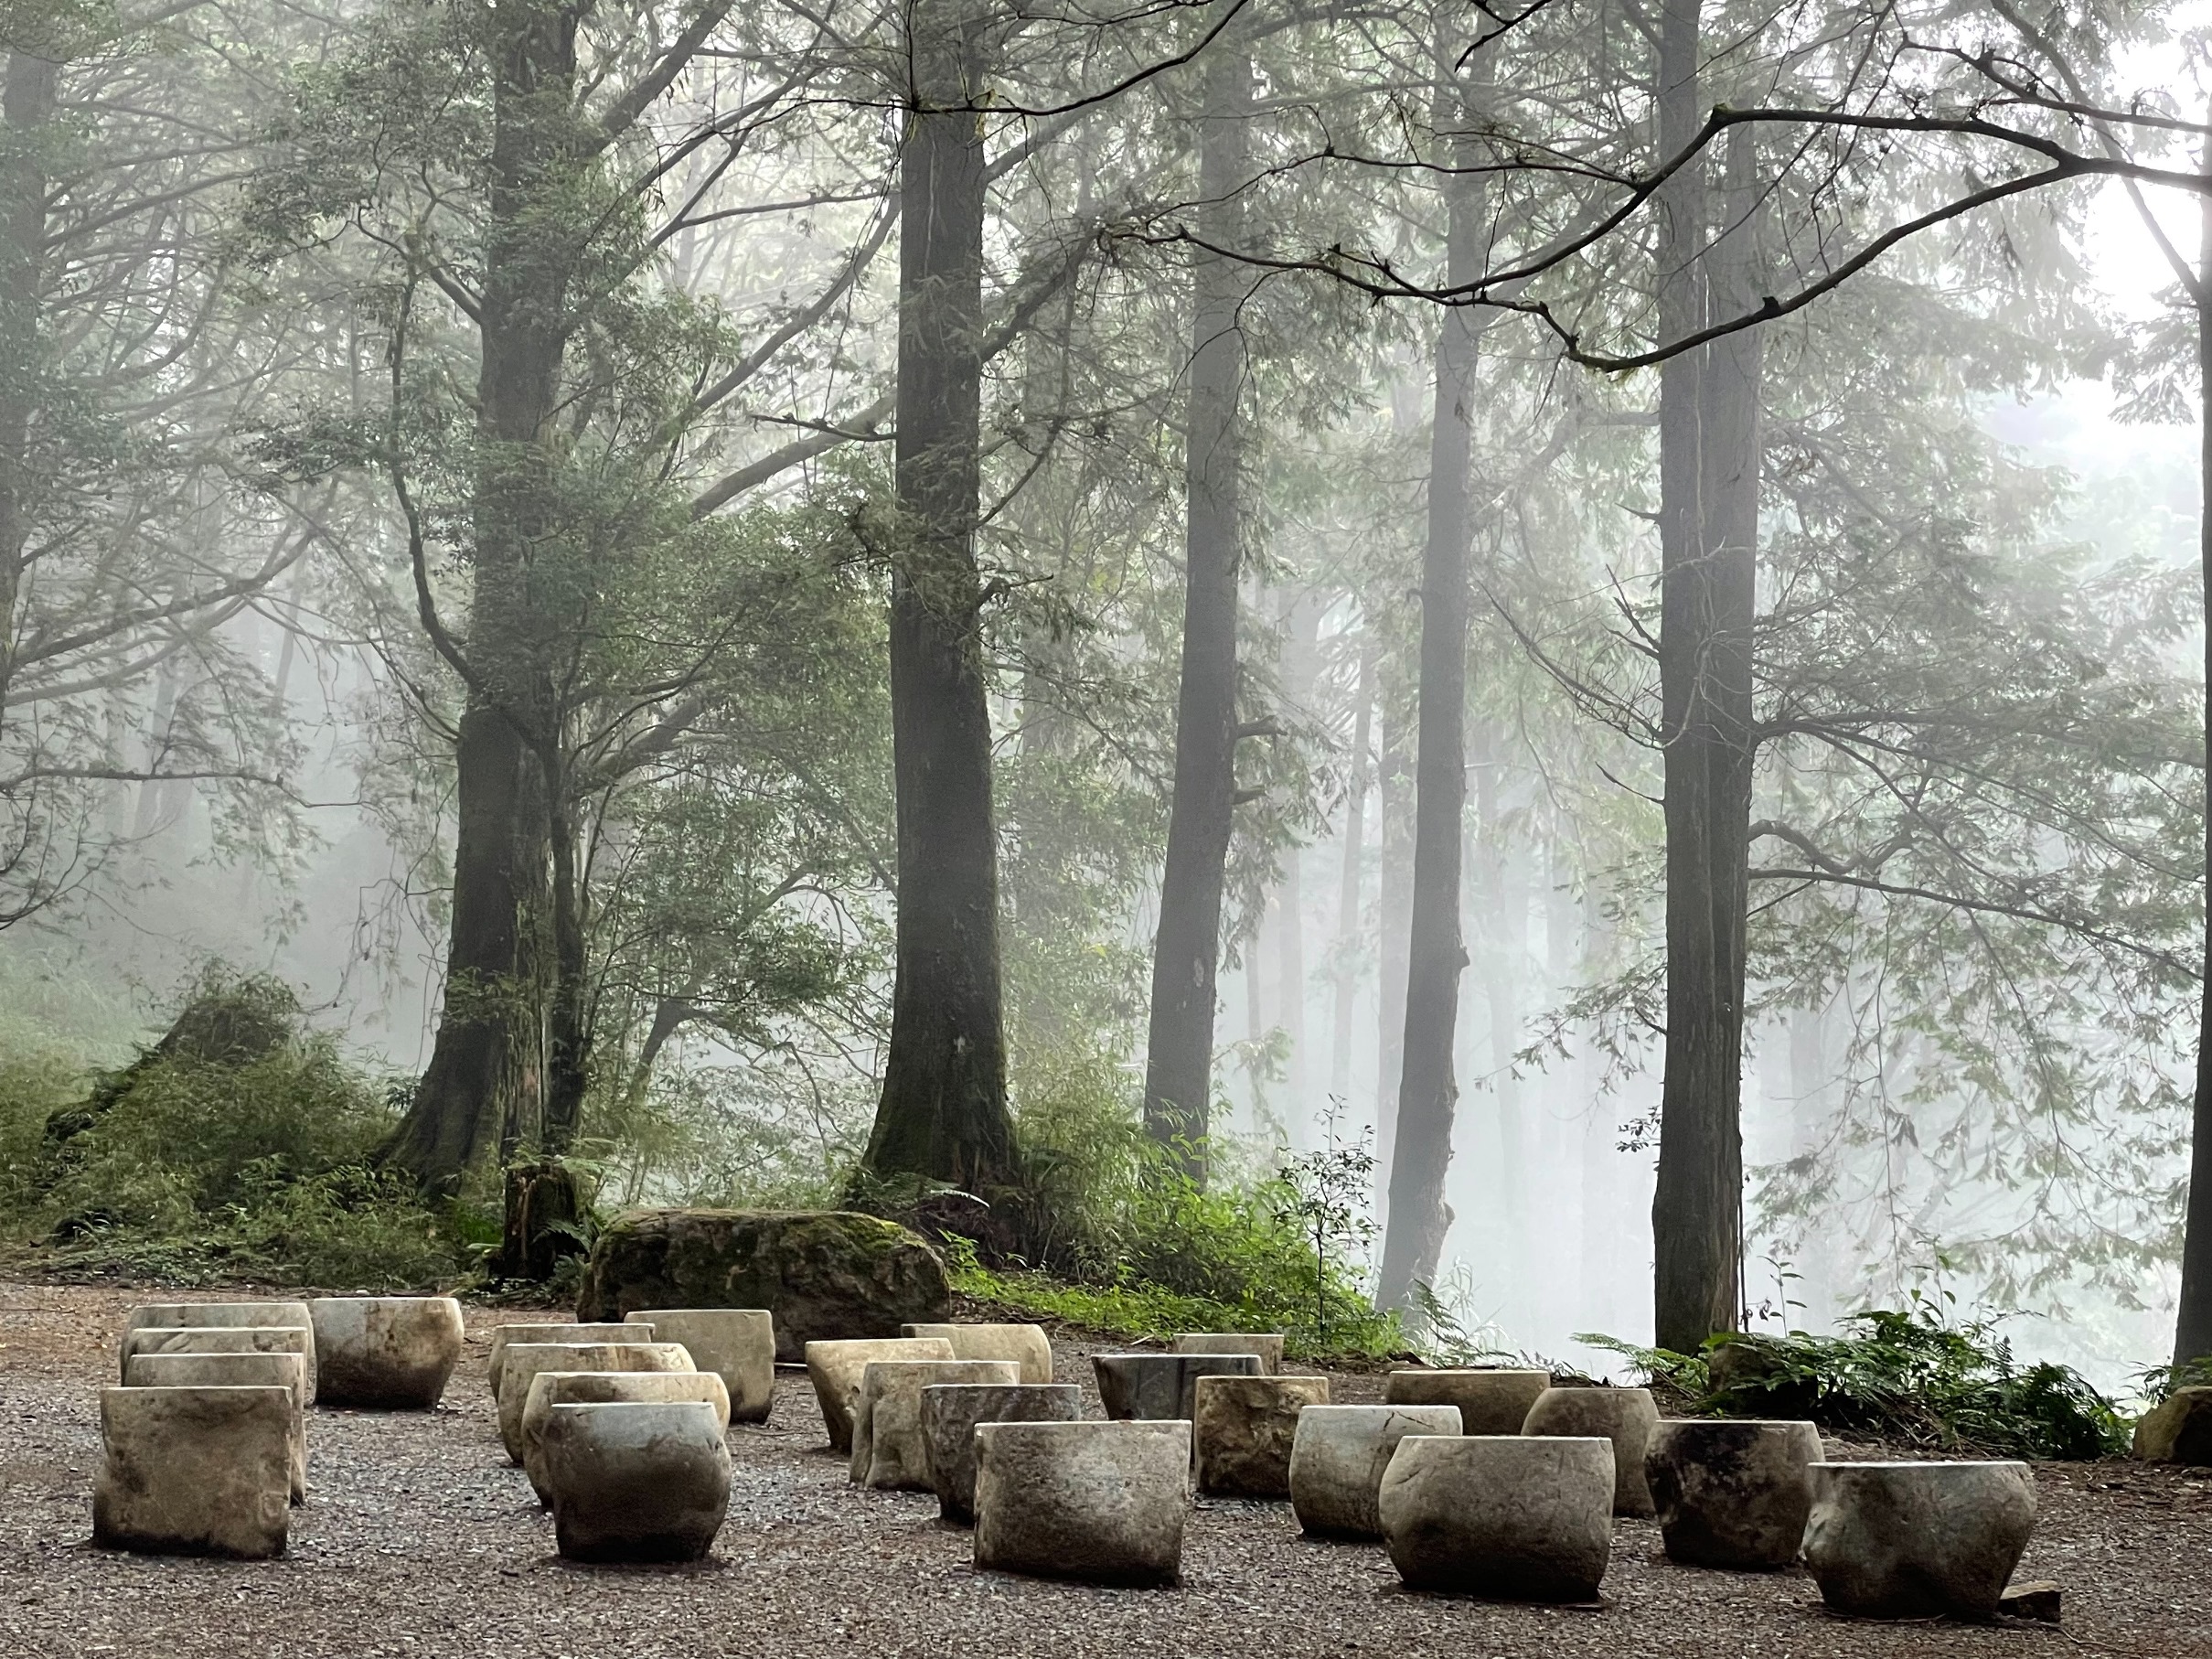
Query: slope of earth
[419, 1539]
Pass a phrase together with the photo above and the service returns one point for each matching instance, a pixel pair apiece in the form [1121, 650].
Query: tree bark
[1708, 528]
[31, 93]
[1393, 786]
[1178, 1050]
[1344, 956]
[943, 1114]
[1301, 627]
[1428, 1092]
[2193, 1317]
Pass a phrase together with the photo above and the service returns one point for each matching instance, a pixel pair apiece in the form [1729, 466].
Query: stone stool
[385, 1353]
[1915, 1540]
[1242, 1428]
[889, 1454]
[1491, 1400]
[1623, 1416]
[834, 1368]
[552, 1388]
[1518, 1517]
[738, 1344]
[523, 1360]
[195, 1472]
[221, 1338]
[1026, 1345]
[236, 1371]
[1157, 1385]
[504, 1335]
[205, 1315]
[950, 1414]
[1104, 1501]
[637, 1481]
[1267, 1346]
[1337, 1454]
[1732, 1491]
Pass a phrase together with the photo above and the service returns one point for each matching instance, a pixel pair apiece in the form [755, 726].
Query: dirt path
[419, 1539]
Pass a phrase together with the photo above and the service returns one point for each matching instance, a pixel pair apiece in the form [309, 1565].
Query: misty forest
[1465, 678]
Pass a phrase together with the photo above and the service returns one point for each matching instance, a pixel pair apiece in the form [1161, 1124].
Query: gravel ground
[419, 1539]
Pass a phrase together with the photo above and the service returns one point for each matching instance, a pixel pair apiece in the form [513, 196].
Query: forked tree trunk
[1178, 1050]
[943, 1114]
[1428, 1092]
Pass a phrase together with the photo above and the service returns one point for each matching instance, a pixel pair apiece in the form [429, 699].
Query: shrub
[1906, 1375]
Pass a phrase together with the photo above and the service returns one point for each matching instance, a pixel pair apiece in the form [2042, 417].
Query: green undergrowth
[238, 1148]
[1908, 1375]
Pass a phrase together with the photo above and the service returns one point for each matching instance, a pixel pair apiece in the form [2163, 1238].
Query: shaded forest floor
[418, 1539]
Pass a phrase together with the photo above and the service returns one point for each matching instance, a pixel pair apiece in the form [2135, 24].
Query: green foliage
[1904, 1374]
[1122, 1241]
[237, 1147]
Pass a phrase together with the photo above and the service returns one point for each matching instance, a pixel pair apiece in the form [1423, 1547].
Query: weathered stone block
[1158, 1385]
[1492, 1400]
[552, 1388]
[287, 1371]
[1104, 1501]
[1732, 1491]
[196, 1472]
[1026, 1345]
[523, 1360]
[950, 1415]
[2178, 1430]
[221, 1338]
[1338, 1456]
[1623, 1416]
[889, 1454]
[1242, 1429]
[1916, 1540]
[826, 1275]
[1265, 1346]
[637, 1481]
[834, 1369]
[738, 1344]
[206, 1315]
[385, 1353]
[1517, 1517]
[559, 1332]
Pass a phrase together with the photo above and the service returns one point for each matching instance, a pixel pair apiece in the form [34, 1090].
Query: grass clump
[237, 1147]
[1908, 1375]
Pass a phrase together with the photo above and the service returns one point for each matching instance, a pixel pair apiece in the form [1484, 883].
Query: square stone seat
[195, 1472]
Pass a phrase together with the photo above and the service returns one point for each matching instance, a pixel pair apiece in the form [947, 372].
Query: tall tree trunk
[1413, 1239]
[1503, 892]
[2193, 1318]
[1344, 955]
[1393, 787]
[1301, 629]
[1709, 525]
[1178, 1050]
[943, 1114]
[485, 1082]
[27, 103]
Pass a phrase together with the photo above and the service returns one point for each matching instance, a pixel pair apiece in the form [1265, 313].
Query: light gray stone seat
[196, 1472]
[889, 1454]
[1491, 1400]
[637, 1481]
[1158, 1385]
[1623, 1416]
[385, 1353]
[1242, 1429]
[1103, 1502]
[221, 1339]
[1337, 1455]
[1917, 1540]
[833, 1366]
[205, 1315]
[1026, 1345]
[1732, 1491]
[738, 1344]
[1267, 1346]
[287, 1371]
[950, 1415]
[557, 1332]
[552, 1388]
[1513, 1517]
[523, 1360]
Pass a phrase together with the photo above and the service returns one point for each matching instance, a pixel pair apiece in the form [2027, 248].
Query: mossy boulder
[2178, 1430]
[826, 1275]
